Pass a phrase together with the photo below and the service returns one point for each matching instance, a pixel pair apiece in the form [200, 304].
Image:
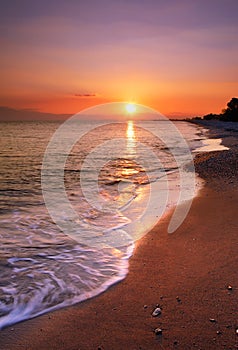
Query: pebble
[178, 299]
[218, 332]
[237, 331]
[156, 312]
[145, 306]
[158, 331]
[212, 320]
[229, 287]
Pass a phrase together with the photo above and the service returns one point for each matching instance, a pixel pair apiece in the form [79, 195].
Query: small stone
[175, 342]
[212, 320]
[178, 299]
[156, 312]
[219, 332]
[145, 306]
[12, 329]
[229, 287]
[237, 331]
[158, 331]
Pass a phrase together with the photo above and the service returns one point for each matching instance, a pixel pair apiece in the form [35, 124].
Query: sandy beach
[190, 274]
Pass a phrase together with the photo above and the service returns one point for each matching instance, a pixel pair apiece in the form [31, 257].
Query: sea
[108, 172]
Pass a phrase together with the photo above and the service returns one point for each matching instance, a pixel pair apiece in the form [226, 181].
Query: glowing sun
[130, 108]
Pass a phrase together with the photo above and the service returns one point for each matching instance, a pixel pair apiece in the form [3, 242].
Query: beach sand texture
[190, 274]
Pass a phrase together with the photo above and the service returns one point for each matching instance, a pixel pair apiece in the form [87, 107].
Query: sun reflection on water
[131, 138]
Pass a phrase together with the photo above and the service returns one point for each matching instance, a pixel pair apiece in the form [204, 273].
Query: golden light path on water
[131, 138]
[132, 170]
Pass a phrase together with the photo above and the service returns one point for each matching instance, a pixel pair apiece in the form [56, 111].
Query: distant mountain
[11, 114]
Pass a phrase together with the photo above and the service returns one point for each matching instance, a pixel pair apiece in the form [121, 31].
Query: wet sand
[186, 273]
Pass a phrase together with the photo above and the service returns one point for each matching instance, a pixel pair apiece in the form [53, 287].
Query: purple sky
[177, 56]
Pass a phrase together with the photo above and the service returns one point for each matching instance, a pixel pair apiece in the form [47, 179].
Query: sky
[177, 56]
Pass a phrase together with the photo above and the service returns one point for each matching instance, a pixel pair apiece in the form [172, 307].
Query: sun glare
[130, 108]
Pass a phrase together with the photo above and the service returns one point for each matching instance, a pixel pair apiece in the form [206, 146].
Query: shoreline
[186, 273]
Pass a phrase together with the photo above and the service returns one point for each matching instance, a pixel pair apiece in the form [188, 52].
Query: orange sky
[177, 57]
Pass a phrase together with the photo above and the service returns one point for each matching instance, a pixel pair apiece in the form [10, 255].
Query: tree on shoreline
[230, 114]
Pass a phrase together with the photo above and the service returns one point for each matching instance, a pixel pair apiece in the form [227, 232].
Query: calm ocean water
[42, 268]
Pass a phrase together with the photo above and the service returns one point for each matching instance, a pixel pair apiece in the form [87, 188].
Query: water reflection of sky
[211, 145]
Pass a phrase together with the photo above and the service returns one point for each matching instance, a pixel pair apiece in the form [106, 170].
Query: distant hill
[11, 114]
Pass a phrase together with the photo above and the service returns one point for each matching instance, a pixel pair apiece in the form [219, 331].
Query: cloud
[86, 95]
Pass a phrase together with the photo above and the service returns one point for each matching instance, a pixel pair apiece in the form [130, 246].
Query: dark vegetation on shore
[229, 114]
